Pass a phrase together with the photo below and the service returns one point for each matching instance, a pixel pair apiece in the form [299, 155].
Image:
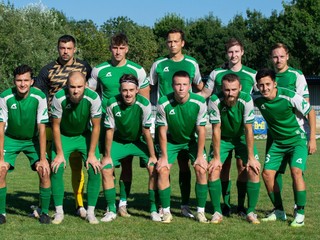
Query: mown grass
[23, 192]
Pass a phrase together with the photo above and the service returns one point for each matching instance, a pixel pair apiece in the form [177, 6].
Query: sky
[148, 12]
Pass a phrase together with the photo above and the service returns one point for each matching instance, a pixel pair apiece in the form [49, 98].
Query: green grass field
[22, 186]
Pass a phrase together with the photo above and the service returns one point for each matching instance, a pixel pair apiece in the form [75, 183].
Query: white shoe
[216, 218]
[167, 217]
[82, 212]
[185, 211]
[201, 217]
[58, 218]
[154, 216]
[298, 220]
[275, 215]
[108, 217]
[161, 212]
[91, 218]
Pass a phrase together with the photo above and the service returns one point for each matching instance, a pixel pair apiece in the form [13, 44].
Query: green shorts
[12, 147]
[239, 145]
[294, 154]
[79, 143]
[120, 150]
[173, 150]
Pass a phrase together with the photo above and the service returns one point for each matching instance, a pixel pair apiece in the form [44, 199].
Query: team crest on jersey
[224, 109]
[263, 107]
[118, 114]
[172, 112]
[68, 106]
[109, 74]
[166, 69]
[14, 106]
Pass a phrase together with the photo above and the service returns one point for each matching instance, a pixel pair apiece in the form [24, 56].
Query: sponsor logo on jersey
[14, 106]
[299, 160]
[172, 112]
[118, 114]
[263, 107]
[109, 74]
[166, 69]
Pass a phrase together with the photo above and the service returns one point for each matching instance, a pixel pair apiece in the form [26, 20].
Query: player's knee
[296, 173]
[163, 172]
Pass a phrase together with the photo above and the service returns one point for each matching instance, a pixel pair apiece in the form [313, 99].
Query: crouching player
[23, 110]
[128, 120]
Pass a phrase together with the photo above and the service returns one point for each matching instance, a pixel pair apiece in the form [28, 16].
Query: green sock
[201, 194]
[152, 199]
[279, 181]
[3, 196]
[45, 195]
[253, 190]
[165, 197]
[215, 194]
[301, 198]
[93, 187]
[125, 188]
[276, 200]
[185, 186]
[57, 186]
[226, 187]
[110, 196]
[242, 191]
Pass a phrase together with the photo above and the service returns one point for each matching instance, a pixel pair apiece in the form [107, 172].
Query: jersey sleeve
[93, 80]
[42, 113]
[56, 108]
[96, 108]
[142, 78]
[153, 77]
[248, 115]
[197, 75]
[300, 104]
[3, 110]
[302, 86]
[202, 115]
[147, 116]
[213, 111]
[161, 119]
[210, 81]
[109, 119]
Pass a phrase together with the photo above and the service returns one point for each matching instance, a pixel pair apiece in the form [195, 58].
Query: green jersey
[75, 117]
[181, 119]
[107, 77]
[294, 80]
[22, 115]
[128, 120]
[162, 71]
[233, 118]
[247, 79]
[283, 114]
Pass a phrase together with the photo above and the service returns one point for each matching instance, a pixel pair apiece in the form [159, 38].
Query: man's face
[175, 43]
[119, 52]
[76, 86]
[267, 87]
[66, 51]
[235, 54]
[280, 59]
[23, 83]
[181, 87]
[129, 92]
[231, 91]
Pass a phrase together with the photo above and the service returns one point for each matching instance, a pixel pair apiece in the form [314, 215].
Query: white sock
[90, 210]
[122, 203]
[200, 209]
[166, 210]
[59, 209]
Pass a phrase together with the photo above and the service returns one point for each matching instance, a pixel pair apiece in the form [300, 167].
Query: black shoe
[2, 219]
[226, 211]
[44, 219]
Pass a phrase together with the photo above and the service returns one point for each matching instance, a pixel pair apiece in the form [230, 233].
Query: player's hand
[106, 161]
[43, 167]
[214, 164]
[163, 162]
[152, 161]
[93, 161]
[4, 165]
[201, 162]
[58, 160]
[312, 146]
[255, 165]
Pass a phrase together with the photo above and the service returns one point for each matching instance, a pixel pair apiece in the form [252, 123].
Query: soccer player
[51, 79]
[180, 116]
[128, 120]
[283, 110]
[23, 115]
[231, 114]
[106, 77]
[76, 113]
[161, 74]
[235, 51]
[293, 79]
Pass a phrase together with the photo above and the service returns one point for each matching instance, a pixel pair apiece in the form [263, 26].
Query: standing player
[293, 79]
[128, 120]
[50, 80]
[235, 52]
[180, 116]
[161, 74]
[76, 114]
[231, 115]
[106, 77]
[24, 113]
[282, 109]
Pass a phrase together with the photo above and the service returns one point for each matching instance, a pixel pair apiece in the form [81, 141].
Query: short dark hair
[180, 74]
[233, 42]
[176, 30]
[119, 39]
[129, 78]
[280, 45]
[231, 77]
[266, 72]
[67, 38]
[22, 69]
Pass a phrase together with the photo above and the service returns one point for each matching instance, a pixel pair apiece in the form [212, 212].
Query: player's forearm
[201, 139]
[42, 140]
[249, 140]
[108, 142]
[94, 136]
[2, 127]
[312, 124]
[216, 140]
[145, 92]
[163, 140]
[149, 140]
[57, 137]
